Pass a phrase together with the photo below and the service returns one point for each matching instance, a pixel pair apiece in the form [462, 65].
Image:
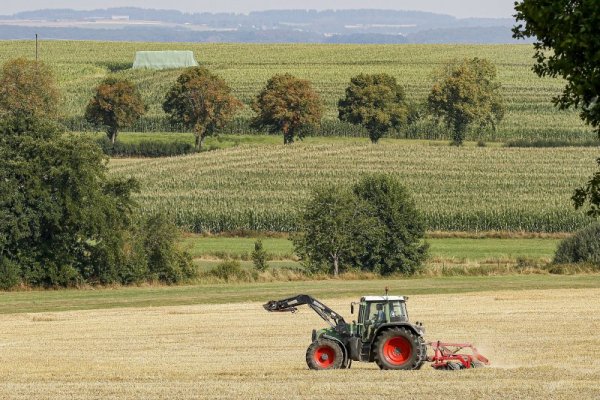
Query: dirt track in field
[543, 344]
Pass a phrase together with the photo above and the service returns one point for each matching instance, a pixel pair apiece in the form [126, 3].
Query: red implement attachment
[447, 356]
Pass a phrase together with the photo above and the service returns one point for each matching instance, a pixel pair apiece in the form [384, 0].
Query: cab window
[397, 309]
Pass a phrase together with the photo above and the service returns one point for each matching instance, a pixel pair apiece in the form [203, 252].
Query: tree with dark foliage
[376, 102]
[374, 227]
[65, 222]
[566, 45]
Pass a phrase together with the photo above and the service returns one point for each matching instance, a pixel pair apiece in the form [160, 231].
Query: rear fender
[406, 325]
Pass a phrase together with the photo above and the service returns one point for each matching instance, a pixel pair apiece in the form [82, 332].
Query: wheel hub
[397, 350]
[324, 356]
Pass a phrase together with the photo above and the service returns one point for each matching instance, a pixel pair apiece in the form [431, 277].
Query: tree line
[466, 94]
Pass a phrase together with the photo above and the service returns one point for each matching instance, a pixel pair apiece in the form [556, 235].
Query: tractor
[383, 334]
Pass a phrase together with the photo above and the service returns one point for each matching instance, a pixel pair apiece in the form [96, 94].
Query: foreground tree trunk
[288, 134]
[336, 266]
[112, 134]
[458, 136]
[199, 141]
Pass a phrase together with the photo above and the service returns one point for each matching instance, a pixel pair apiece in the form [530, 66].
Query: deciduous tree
[394, 243]
[62, 216]
[202, 101]
[28, 89]
[566, 45]
[116, 104]
[64, 221]
[373, 227]
[466, 93]
[376, 102]
[288, 105]
[324, 239]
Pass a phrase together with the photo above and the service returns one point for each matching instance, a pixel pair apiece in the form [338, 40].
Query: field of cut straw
[542, 345]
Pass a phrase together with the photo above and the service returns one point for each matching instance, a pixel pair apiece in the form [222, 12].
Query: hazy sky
[458, 8]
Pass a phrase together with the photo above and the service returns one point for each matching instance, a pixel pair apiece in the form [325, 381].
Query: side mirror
[351, 308]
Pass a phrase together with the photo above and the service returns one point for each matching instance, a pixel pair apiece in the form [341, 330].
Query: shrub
[145, 148]
[583, 247]
[551, 143]
[114, 66]
[228, 270]
[259, 257]
[166, 262]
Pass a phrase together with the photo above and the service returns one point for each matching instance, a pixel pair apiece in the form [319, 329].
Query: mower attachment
[446, 356]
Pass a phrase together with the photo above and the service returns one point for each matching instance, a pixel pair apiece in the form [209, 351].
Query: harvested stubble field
[542, 344]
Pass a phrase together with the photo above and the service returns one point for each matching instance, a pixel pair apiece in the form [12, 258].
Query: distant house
[164, 59]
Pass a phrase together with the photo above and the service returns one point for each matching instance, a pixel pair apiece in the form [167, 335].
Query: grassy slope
[451, 248]
[79, 66]
[62, 300]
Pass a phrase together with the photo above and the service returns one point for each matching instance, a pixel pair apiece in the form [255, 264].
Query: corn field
[457, 189]
[79, 66]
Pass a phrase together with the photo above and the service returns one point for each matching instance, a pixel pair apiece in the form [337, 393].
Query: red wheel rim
[397, 350]
[324, 356]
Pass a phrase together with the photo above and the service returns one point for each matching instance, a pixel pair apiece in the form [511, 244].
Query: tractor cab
[377, 310]
[382, 309]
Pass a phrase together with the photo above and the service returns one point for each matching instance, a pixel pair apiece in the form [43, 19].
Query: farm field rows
[457, 189]
[80, 65]
[534, 339]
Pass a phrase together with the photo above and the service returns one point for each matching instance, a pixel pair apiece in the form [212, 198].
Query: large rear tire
[398, 348]
[324, 354]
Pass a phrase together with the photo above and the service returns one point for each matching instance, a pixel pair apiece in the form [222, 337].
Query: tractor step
[448, 356]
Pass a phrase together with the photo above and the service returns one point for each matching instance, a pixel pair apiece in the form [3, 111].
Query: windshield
[397, 309]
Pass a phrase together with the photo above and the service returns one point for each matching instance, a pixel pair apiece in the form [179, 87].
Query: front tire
[398, 348]
[324, 354]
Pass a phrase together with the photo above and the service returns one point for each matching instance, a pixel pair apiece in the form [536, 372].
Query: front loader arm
[290, 305]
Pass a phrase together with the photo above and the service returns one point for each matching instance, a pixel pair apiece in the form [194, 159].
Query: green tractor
[383, 334]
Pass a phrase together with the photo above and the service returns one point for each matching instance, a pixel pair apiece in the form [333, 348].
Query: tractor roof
[383, 298]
